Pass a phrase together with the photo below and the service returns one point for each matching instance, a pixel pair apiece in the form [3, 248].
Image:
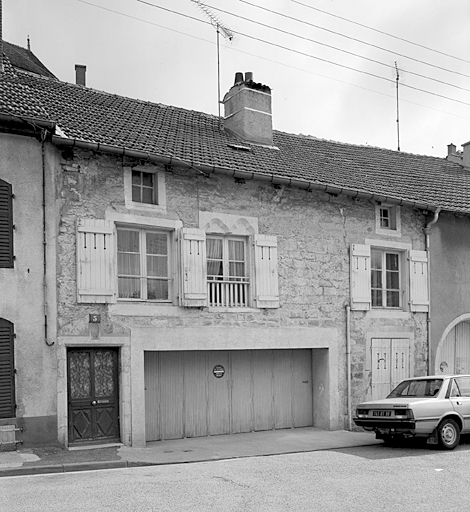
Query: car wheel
[448, 434]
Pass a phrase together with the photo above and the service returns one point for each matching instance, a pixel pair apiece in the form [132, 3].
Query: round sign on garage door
[218, 371]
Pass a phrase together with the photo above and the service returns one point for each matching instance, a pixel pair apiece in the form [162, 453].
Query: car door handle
[459, 403]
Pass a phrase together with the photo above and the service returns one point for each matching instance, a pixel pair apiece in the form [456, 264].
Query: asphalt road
[373, 478]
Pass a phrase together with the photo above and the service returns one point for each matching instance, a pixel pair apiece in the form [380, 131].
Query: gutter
[248, 175]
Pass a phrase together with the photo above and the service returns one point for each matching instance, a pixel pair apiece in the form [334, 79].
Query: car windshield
[422, 388]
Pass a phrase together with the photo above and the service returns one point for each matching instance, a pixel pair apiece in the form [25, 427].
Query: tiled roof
[93, 116]
[25, 60]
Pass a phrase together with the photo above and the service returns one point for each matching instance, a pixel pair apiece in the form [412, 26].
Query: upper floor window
[143, 264]
[388, 220]
[144, 188]
[227, 271]
[393, 277]
[385, 277]
[6, 225]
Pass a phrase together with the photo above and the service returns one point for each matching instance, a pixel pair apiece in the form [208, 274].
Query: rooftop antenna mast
[398, 112]
[220, 29]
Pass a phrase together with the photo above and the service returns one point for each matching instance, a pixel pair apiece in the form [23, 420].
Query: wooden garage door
[191, 394]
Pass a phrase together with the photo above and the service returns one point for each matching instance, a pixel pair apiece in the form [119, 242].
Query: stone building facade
[178, 275]
[314, 231]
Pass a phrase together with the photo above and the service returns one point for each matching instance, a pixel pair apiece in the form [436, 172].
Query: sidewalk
[178, 451]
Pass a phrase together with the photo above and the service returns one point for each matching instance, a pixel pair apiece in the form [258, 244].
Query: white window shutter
[419, 289]
[360, 277]
[96, 276]
[194, 267]
[267, 288]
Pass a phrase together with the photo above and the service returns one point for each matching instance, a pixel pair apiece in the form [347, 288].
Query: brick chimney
[80, 72]
[248, 112]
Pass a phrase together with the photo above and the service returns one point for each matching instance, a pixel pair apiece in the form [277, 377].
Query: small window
[6, 225]
[385, 279]
[144, 187]
[143, 265]
[388, 220]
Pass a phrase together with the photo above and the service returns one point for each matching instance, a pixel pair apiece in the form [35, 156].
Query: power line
[336, 48]
[313, 56]
[352, 38]
[263, 58]
[380, 31]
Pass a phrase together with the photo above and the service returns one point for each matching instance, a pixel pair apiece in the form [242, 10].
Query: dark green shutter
[7, 370]
[6, 225]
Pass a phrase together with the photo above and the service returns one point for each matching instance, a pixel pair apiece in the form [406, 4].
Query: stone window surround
[129, 308]
[395, 211]
[161, 189]
[403, 247]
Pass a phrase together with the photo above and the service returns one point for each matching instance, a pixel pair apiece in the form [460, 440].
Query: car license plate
[381, 413]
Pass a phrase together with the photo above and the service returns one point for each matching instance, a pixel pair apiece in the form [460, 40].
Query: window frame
[394, 218]
[245, 282]
[159, 189]
[143, 276]
[384, 290]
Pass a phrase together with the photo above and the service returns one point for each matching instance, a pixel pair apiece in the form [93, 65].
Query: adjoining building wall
[23, 291]
[450, 293]
[314, 232]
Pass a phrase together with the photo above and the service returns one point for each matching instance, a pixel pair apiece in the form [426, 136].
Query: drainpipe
[427, 232]
[44, 238]
[348, 361]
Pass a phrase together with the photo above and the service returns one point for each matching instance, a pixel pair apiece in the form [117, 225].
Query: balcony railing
[228, 292]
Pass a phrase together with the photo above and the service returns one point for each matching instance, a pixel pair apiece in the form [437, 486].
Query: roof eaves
[235, 173]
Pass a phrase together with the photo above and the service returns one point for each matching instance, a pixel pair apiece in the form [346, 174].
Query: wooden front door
[93, 399]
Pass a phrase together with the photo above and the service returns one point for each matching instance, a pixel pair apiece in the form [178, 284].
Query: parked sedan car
[436, 407]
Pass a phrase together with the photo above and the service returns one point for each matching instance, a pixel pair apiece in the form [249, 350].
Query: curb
[63, 468]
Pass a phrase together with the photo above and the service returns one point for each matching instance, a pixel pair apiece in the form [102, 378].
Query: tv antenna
[398, 112]
[220, 29]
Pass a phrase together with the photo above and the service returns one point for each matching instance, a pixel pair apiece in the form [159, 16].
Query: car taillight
[403, 414]
[362, 412]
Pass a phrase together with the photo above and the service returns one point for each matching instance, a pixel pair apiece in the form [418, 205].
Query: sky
[331, 64]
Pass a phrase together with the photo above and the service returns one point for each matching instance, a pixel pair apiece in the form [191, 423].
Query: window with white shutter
[96, 275]
[6, 225]
[266, 271]
[7, 370]
[419, 285]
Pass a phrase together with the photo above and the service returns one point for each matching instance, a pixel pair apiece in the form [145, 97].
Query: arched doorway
[453, 351]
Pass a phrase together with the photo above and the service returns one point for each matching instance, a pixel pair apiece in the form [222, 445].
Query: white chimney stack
[248, 111]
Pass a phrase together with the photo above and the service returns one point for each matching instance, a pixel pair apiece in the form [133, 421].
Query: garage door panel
[218, 393]
[242, 391]
[282, 388]
[302, 388]
[152, 430]
[195, 394]
[263, 389]
[171, 392]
